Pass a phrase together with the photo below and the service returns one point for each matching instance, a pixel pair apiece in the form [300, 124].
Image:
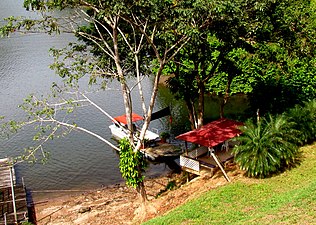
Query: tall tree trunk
[124, 87]
[221, 107]
[201, 92]
[142, 192]
[140, 88]
[151, 106]
[200, 113]
[128, 108]
[225, 97]
[191, 111]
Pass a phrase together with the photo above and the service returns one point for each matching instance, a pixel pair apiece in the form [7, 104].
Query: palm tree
[266, 147]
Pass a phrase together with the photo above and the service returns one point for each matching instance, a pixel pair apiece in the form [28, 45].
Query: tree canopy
[249, 47]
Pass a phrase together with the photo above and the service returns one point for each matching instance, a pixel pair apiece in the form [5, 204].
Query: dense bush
[271, 97]
[266, 147]
[282, 87]
[303, 119]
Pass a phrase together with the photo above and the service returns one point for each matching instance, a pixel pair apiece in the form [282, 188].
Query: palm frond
[267, 146]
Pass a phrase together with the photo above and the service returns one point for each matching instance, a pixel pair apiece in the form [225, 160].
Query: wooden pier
[13, 205]
[5, 166]
[162, 151]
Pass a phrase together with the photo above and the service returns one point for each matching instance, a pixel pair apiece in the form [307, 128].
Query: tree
[240, 45]
[120, 41]
[283, 86]
[206, 55]
[287, 62]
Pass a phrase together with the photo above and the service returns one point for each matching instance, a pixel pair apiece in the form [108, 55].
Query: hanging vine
[132, 164]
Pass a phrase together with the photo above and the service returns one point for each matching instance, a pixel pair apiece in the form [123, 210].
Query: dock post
[23, 184]
[219, 164]
[5, 218]
[13, 196]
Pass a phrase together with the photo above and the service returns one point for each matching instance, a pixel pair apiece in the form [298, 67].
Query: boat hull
[119, 133]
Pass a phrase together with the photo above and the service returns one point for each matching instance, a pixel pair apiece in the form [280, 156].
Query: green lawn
[289, 198]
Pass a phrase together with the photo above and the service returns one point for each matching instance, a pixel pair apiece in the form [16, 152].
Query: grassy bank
[289, 198]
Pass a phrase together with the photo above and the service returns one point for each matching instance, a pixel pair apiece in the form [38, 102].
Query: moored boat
[119, 128]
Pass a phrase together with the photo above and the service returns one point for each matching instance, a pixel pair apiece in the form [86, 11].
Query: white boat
[119, 128]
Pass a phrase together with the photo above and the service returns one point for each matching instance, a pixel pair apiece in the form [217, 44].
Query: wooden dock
[13, 205]
[162, 151]
[5, 180]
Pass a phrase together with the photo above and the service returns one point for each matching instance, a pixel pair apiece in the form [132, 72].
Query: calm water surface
[78, 161]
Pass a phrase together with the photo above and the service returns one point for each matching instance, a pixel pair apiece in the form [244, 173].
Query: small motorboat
[119, 128]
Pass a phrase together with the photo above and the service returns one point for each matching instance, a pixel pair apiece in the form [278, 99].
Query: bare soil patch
[119, 204]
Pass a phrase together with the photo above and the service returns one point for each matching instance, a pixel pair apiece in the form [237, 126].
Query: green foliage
[303, 119]
[165, 135]
[284, 64]
[132, 164]
[15, 24]
[206, 63]
[74, 62]
[282, 86]
[271, 96]
[266, 49]
[266, 147]
[171, 185]
[26, 223]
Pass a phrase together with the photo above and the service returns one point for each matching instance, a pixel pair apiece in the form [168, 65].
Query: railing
[189, 163]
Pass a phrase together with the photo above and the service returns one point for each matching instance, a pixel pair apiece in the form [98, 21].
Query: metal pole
[186, 147]
[13, 196]
[5, 218]
[23, 184]
[219, 164]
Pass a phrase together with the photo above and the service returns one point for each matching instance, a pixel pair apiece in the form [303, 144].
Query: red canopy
[213, 133]
[122, 118]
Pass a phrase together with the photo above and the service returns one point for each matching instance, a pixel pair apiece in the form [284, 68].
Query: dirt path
[120, 204]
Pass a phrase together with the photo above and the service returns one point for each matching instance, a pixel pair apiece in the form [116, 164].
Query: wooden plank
[190, 170]
[6, 201]
[5, 165]
[6, 205]
[22, 216]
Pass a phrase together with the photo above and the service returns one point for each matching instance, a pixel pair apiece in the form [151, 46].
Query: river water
[77, 161]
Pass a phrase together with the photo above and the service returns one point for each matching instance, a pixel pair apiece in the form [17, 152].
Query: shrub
[266, 147]
[132, 164]
[164, 135]
[303, 119]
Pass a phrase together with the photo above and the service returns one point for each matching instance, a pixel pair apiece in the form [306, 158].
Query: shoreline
[55, 209]
[42, 195]
[119, 204]
[153, 171]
